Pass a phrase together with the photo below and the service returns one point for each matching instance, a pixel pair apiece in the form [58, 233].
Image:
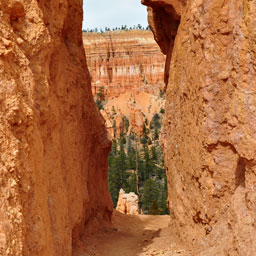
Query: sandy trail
[132, 236]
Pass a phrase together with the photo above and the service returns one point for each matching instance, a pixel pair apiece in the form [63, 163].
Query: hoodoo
[209, 131]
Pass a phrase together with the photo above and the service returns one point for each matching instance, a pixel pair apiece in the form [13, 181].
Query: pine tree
[153, 154]
[147, 162]
[101, 94]
[136, 167]
[132, 181]
[150, 194]
[131, 155]
[154, 208]
[163, 199]
[117, 177]
[155, 122]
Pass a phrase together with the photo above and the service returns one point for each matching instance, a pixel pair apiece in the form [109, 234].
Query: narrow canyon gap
[127, 70]
[52, 136]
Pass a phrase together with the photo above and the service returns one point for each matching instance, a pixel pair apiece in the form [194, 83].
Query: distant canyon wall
[121, 61]
[209, 131]
[128, 68]
[53, 143]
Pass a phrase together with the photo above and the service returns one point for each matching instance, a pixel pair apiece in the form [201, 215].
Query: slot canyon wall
[209, 131]
[52, 136]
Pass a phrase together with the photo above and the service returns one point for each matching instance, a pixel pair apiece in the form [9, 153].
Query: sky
[113, 13]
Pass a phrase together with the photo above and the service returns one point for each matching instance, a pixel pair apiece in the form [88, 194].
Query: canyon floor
[132, 236]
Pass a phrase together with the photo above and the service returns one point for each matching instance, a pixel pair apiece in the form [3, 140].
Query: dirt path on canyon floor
[132, 236]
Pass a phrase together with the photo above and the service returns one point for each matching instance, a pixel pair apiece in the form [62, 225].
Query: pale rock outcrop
[113, 122]
[209, 129]
[128, 203]
[119, 124]
[53, 144]
[108, 122]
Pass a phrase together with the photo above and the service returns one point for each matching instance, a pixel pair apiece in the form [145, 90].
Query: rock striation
[209, 131]
[122, 61]
[53, 144]
[128, 203]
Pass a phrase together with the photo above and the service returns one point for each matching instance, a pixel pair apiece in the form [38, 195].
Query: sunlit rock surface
[128, 68]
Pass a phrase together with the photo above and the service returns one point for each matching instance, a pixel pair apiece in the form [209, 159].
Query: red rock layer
[210, 142]
[124, 61]
[53, 144]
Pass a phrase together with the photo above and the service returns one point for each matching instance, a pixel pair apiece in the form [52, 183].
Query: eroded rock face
[210, 142]
[53, 143]
[128, 203]
[114, 123]
[137, 120]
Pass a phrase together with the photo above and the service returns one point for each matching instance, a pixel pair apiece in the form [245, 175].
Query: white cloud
[113, 13]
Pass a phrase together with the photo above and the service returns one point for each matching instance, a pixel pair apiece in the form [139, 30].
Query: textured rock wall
[51, 135]
[210, 126]
[122, 61]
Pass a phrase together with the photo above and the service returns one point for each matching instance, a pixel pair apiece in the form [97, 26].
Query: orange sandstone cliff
[209, 132]
[53, 144]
